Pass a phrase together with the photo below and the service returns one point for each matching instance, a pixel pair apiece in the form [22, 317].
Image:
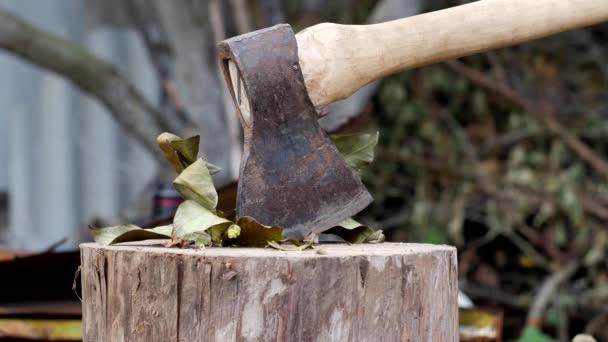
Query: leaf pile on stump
[197, 220]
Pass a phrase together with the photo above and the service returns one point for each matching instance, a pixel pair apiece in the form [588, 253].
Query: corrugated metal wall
[62, 157]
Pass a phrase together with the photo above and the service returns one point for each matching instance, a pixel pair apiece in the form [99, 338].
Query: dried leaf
[312, 238]
[355, 232]
[200, 239]
[128, 232]
[292, 245]
[187, 149]
[213, 169]
[179, 152]
[289, 247]
[254, 234]
[218, 233]
[193, 222]
[228, 215]
[178, 243]
[357, 149]
[194, 183]
[376, 237]
[182, 152]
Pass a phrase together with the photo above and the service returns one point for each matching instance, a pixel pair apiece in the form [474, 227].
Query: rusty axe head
[291, 174]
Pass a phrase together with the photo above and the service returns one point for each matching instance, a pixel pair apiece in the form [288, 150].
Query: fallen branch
[545, 114]
[89, 73]
[547, 292]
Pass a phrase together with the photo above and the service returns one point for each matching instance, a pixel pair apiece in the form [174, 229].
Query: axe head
[291, 174]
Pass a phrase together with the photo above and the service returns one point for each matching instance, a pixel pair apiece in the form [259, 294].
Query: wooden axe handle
[337, 60]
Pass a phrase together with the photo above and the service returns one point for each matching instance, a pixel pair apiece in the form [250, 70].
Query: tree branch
[89, 73]
[545, 114]
[147, 21]
[547, 292]
[181, 42]
[502, 190]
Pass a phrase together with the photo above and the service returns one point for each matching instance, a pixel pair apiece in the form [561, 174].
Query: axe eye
[240, 94]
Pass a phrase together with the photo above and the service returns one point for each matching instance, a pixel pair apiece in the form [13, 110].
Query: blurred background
[502, 154]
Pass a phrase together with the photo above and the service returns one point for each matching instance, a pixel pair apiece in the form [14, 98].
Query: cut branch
[89, 73]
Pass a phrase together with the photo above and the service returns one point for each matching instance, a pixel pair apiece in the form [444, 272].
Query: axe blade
[291, 173]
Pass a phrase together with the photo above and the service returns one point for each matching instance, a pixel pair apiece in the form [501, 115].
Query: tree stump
[369, 292]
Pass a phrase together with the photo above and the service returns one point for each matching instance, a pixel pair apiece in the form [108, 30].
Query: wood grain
[384, 292]
[337, 60]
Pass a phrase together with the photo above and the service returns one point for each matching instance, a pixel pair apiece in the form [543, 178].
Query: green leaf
[194, 222]
[533, 334]
[194, 183]
[254, 234]
[128, 232]
[434, 235]
[357, 149]
[182, 152]
[355, 232]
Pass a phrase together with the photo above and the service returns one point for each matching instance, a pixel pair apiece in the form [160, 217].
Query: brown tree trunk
[373, 292]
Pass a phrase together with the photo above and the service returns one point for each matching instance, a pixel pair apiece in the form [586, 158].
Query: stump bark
[371, 292]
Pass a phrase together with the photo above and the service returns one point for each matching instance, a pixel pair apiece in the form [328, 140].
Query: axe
[291, 175]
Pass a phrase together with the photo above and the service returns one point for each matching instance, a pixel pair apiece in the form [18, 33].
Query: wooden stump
[372, 292]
